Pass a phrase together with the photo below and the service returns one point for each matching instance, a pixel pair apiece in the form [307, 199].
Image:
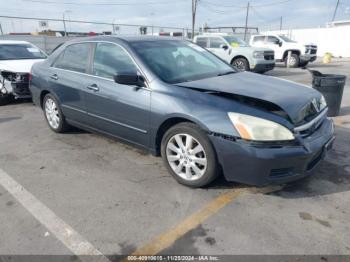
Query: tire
[53, 114]
[241, 64]
[195, 169]
[4, 100]
[294, 61]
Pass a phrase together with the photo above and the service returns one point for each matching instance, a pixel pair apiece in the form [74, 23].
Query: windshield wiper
[226, 73]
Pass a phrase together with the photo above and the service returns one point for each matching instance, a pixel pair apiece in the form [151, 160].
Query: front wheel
[189, 155]
[241, 64]
[53, 114]
[293, 61]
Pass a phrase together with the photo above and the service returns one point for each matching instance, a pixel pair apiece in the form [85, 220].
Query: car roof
[13, 42]
[127, 39]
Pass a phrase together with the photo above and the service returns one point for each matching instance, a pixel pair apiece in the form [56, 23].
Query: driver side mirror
[129, 78]
[223, 46]
[278, 42]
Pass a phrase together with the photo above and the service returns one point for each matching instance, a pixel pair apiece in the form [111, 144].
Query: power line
[102, 4]
[244, 7]
[84, 22]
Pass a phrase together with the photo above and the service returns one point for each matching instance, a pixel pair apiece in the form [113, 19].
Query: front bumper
[259, 165]
[308, 58]
[263, 67]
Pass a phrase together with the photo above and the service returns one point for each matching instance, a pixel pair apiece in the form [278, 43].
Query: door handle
[54, 77]
[93, 87]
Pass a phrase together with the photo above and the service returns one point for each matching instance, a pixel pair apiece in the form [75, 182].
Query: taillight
[30, 77]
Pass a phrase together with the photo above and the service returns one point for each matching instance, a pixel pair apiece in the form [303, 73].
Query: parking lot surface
[82, 193]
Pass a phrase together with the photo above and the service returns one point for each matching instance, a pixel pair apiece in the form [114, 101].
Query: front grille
[311, 49]
[310, 127]
[269, 56]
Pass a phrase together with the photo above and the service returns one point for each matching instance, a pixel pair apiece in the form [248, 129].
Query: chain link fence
[47, 33]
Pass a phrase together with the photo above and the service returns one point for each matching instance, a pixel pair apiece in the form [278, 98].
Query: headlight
[258, 129]
[258, 54]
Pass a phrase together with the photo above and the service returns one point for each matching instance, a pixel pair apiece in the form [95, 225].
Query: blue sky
[264, 13]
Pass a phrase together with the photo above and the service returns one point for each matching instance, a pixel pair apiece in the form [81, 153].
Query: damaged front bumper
[14, 84]
[262, 164]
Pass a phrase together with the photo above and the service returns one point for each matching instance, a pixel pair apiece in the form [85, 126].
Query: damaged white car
[16, 60]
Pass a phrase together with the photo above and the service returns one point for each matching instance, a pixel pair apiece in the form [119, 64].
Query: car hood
[291, 97]
[18, 66]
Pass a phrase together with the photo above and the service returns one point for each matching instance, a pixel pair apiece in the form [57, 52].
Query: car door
[216, 46]
[68, 82]
[120, 110]
[275, 44]
[258, 41]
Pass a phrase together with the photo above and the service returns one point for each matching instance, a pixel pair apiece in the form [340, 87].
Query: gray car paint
[138, 114]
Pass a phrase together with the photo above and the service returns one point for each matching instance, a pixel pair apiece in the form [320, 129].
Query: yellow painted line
[166, 239]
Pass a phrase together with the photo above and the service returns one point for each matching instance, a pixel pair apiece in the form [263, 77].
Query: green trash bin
[331, 86]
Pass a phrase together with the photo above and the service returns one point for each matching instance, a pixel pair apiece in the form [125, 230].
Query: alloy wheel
[51, 112]
[239, 65]
[186, 157]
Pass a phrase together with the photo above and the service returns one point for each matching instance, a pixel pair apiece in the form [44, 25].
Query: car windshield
[235, 41]
[20, 51]
[286, 39]
[180, 61]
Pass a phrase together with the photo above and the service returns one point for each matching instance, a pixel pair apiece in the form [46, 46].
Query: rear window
[20, 51]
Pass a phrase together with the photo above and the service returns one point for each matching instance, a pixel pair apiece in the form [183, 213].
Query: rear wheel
[53, 114]
[241, 64]
[189, 155]
[293, 61]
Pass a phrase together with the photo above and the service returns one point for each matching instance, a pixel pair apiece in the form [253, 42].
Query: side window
[215, 42]
[202, 41]
[259, 39]
[74, 57]
[272, 40]
[109, 59]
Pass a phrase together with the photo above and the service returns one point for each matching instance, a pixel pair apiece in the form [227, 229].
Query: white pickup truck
[301, 54]
[237, 52]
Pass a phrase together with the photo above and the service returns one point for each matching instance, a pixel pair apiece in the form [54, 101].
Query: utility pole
[64, 25]
[281, 20]
[246, 23]
[194, 9]
[335, 10]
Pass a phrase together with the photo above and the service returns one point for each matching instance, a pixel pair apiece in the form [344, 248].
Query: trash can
[331, 86]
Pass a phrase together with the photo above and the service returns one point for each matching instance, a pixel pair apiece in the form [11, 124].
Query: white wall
[335, 40]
